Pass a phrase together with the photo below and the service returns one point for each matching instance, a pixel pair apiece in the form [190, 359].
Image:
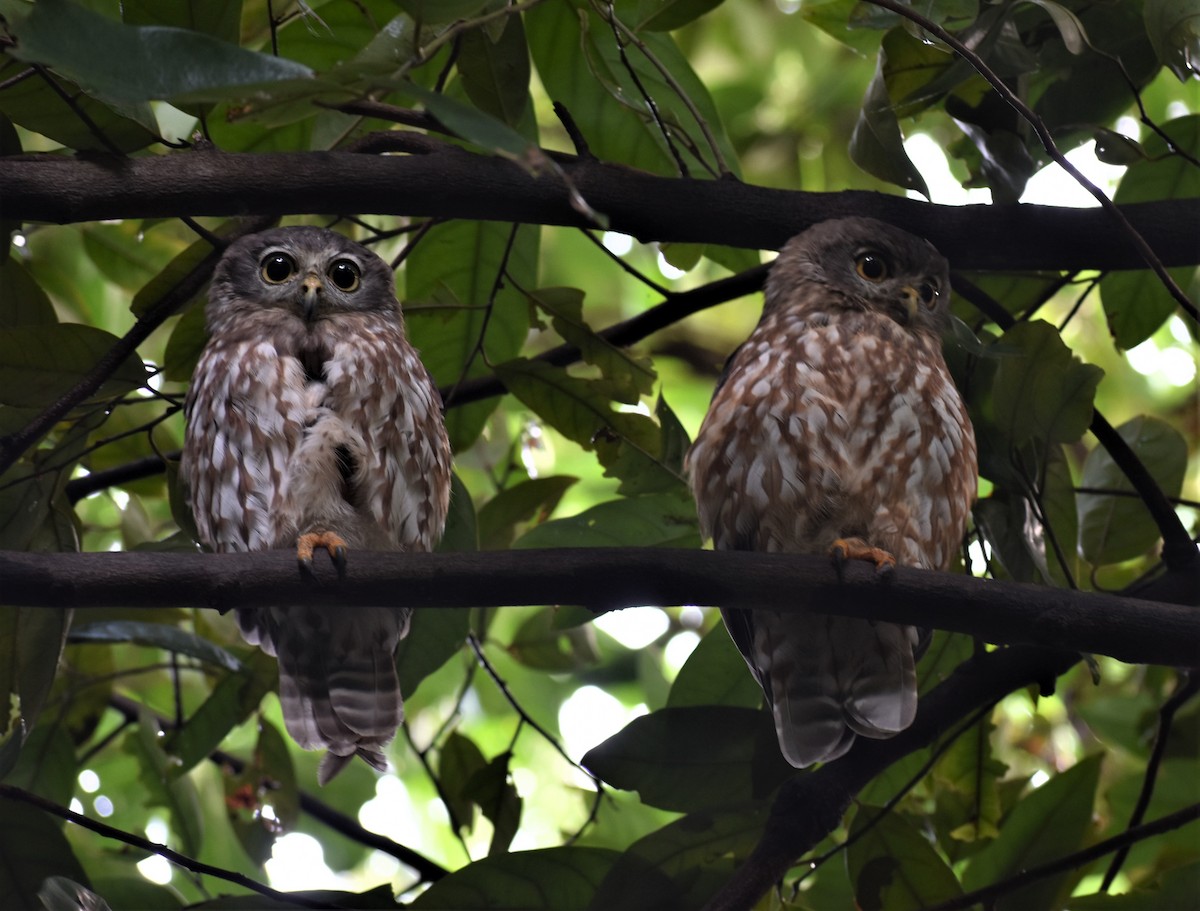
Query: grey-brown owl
[311, 422]
[837, 429]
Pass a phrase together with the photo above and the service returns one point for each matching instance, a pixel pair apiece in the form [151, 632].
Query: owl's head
[863, 264]
[308, 272]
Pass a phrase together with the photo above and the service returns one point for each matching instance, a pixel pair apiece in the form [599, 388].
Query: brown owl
[311, 423]
[837, 429]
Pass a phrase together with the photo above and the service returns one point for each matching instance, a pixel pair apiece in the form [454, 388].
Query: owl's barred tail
[337, 679]
[838, 678]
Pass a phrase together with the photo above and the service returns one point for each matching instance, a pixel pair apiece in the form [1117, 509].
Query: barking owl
[311, 423]
[836, 429]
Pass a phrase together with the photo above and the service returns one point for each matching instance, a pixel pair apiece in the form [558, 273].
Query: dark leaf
[551, 879]
[540, 643]
[1114, 528]
[31, 640]
[125, 63]
[532, 500]
[693, 757]
[157, 635]
[461, 534]
[715, 673]
[1174, 30]
[34, 848]
[40, 363]
[495, 71]
[893, 866]
[164, 784]
[434, 637]
[23, 302]
[655, 520]
[876, 145]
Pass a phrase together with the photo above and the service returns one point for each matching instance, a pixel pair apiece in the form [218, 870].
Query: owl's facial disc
[904, 298]
[303, 286]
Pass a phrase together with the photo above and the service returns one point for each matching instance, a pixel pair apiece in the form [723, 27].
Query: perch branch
[613, 578]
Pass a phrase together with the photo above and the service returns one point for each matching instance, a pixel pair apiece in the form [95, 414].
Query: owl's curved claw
[845, 549]
[330, 542]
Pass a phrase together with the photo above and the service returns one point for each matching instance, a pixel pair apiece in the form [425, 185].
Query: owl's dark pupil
[927, 292]
[872, 266]
[278, 267]
[344, 274]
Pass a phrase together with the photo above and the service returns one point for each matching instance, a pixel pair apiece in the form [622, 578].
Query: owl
[312, 424]
[836, 429]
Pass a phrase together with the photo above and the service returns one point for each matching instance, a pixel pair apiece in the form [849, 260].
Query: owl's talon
[845, 549]
[331, 542]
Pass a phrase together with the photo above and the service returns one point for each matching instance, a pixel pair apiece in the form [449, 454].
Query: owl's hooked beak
[312, 286]
[910, 302]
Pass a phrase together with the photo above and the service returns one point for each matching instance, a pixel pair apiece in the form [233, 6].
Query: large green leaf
[459, 263]
[1172, 890]
[1043, 391]
[715, 674]
[32, 848]
[158, 635]
[552, 879]
[495, 70]
[1049, 823]
[23, 303]
[434, 637]
[876, 145]
[40, 363]
[31, 640]
[1173, 27]
[893, 866]
[693, 757]
[532, 500]
[654, 520]
[125, 63]
[164, 785]
[1113, 527]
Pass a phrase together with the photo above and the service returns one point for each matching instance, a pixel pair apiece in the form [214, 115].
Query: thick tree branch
[454, 183]
[613, 578]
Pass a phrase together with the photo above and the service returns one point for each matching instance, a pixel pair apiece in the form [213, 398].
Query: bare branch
[613, 578]
[455, 183]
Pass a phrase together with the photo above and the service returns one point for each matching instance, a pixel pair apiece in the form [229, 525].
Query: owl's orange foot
[331, 542]
[844, 549]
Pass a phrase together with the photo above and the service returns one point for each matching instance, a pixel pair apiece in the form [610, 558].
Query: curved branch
[454, 183]
[811, 805]
[610, 578]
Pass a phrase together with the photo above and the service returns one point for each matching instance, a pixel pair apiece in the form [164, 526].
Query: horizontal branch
[613, 578]
[449, 182]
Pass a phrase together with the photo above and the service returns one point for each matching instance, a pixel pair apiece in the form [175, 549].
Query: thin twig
[1188, 686]
[1043, 133]
[136, 841]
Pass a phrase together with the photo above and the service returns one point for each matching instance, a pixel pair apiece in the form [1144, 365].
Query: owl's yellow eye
[278, 268]
[871, 266]
[345, 275]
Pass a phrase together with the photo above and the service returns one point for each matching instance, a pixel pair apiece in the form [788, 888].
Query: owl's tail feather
[833, 678]
[337, 680]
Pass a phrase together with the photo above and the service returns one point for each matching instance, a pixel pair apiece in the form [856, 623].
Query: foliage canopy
[549, 761]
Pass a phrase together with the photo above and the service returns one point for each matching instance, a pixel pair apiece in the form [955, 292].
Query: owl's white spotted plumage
[310, 414]
[837, 424]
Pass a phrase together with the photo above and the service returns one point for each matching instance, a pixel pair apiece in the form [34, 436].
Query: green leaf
[968, 803]
[232, 700]
[1070, 28]
[1045, 393]
[126, 253]
[693, 758]
[459, 758]
[448, 338]
[461, 534]
[59, 893]
[654, 520]
[23, 302]
[35, 105]
[47, 765]
[39, 363]
[715, 673]
[436, 11]
[478, 127]
[1136, 302]
[157, 635]
[1174, 30]
[849, 21]
[31, 640]
[1116, 528]
[532, 500]
[492, 790]
[1172, 890]
[945, 653]
[540, 643]
[893, 866]
[186, 342]
[876, 145]
[268, 779]
[34, 848]
[551, 879]
[1050, 822]
[165, 785]
[219, 18]
[434, 637]
[631, 377]
[495, 71]
[677, 866]
[124, 63]
[667, 15]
